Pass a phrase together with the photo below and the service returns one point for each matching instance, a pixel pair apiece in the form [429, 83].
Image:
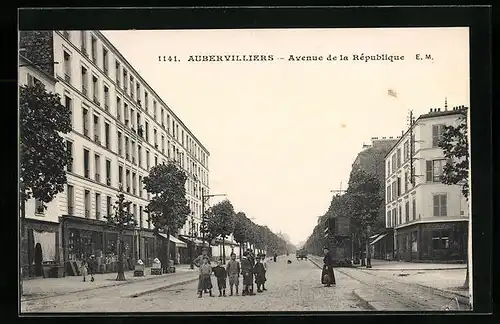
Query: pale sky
[282, 134]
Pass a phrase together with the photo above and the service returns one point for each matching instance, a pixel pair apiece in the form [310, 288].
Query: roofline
[146, 84]
[37, 68]
[424, 116]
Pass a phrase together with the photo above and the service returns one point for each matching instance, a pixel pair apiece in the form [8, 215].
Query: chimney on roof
[439, 109]
[383, 137]
[445, 104]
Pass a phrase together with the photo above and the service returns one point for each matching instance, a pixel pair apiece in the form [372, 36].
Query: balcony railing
[96, 101]
[108, 181]
[70, 210]
[86, 173]
[84, 90]
[67, 77]
[87, 213]
[96, 139]
[97, 176]
[106, 106]
[97, 215]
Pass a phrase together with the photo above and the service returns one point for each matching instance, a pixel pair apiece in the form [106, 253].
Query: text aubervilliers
[269, 57]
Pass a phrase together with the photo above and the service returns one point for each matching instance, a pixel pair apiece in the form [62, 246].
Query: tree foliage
[43, 155]
[168, 207]
[363, 199]
[240, 227]
[222, 219]
[455, 146]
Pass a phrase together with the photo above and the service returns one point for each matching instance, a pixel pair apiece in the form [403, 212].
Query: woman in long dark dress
[327, 275]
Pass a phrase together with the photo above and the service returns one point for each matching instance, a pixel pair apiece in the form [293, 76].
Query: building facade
[429, 219]
[121, 129]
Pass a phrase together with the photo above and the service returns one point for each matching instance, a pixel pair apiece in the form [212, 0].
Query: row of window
[126, 147]
[396, 216]
[396, 160]
[135, 97]
[131, 185]
[434, 173]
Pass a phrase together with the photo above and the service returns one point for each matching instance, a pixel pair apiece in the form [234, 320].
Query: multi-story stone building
[121, 129]
[372, 160]
[429, 218]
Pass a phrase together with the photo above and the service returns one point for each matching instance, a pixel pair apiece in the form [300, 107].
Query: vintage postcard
[245, 170]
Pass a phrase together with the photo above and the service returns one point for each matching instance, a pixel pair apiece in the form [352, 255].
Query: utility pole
[339, 191]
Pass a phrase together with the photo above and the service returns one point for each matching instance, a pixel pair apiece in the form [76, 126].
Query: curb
[364, 302]
[149, 291]
[117, 283]
[410, 269]
[462, 300]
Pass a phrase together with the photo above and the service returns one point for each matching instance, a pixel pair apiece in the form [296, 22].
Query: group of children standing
[250, 266]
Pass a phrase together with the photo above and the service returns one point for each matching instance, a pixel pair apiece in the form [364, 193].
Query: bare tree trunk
[241, 250]
[223, 250]
[168, 249]
[121, 273]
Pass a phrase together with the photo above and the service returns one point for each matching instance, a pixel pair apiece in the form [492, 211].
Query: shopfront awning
[378, 238]
[173, 239]
[190, 239]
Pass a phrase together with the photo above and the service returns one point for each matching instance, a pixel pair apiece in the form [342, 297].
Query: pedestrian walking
[327, 275]
[92, 267]
[246, 271]
[275, 256]
[221, 275]
[233, 273]
[84, 268]
[259, 272]
[199, 260]
[204, 280]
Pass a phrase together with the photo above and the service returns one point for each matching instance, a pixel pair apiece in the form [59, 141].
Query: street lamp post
[368, 257]
[191, 237]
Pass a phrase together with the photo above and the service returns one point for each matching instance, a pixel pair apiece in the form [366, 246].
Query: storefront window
[414, 246]
[440, 240]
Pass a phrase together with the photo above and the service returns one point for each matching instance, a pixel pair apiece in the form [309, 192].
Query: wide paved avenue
[291, 287]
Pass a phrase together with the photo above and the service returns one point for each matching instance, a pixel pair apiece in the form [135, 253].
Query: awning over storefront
[226, 242]
[194, 240]
[173, 239]
[381, 236]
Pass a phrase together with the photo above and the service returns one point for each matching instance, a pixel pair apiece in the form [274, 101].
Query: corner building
[121, 129]
[430, 219]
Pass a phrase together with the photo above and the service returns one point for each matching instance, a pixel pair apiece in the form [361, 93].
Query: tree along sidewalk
[43, 287]
[116, 294]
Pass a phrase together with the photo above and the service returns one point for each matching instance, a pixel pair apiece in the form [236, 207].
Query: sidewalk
[446, 279]
[383, 265]
[44, 287]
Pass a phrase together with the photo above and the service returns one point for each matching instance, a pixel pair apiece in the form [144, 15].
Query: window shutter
[444, 207]
[435, 135]
[436, 201]
[428, 169]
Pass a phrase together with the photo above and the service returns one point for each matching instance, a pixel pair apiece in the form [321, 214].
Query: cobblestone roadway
[291, 287]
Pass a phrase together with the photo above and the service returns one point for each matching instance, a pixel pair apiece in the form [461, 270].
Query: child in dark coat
[246, 271]
[221, 274]
[260, 273]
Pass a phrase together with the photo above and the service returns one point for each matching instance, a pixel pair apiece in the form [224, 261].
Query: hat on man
[326, 248]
